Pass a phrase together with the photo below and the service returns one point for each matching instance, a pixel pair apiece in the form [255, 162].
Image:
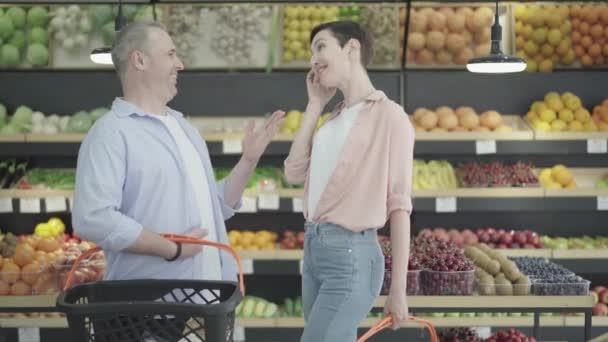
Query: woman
[357, 171]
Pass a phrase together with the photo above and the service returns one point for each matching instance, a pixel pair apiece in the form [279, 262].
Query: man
[143, 170]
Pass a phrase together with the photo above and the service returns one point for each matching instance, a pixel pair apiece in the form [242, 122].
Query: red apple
[502, 246]
[520, 238]
[603, 296]
[506, 239]
[599, 289]
[515, 245]
[485, 238]
[600, 309]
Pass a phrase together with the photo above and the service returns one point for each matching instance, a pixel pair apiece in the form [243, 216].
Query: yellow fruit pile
[542, 36]
[557, 177]
[53, 228]
[293, 120]
[560, 113]
[298, 21]
[262, 240]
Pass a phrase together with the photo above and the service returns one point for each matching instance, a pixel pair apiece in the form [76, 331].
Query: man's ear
[138, 59]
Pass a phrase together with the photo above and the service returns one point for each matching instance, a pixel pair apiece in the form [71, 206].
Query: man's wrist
[177, 253]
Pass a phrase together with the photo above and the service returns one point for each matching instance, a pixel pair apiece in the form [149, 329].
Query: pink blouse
[373, 176]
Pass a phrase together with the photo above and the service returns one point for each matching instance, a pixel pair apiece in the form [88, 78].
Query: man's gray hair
[134, 36]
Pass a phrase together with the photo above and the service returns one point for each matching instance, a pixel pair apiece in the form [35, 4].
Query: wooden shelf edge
[580, 254]
[18, 193]
[16, 138]
[495, 302]
[41, 322]
[481, 192]
[28, 301]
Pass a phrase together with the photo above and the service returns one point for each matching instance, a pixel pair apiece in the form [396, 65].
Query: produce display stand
[534, 304]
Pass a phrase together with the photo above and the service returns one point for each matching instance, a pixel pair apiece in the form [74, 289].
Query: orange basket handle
[388, 321]
[174, 238]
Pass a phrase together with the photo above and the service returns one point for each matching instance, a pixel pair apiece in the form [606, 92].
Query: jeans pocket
[376, 276]
[340, 242]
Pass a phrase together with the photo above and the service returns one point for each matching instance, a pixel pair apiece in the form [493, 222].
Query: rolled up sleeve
[227, 210]
[100, 176]
[401, 156]
[296, 170]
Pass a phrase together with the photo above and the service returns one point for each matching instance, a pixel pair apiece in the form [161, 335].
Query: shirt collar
[375, 96]
[124, 108]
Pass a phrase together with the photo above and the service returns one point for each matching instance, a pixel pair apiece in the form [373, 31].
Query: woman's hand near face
[318, 95]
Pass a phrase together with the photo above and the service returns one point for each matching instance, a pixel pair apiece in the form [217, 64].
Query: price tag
[28, 334]
[484, 332]
[301, 266]
[445, 204]
[71, 202]
[269, 201]
[232, 146]
[247, 266]
[29, 205]
[249, 205]
[298, 205]
[55, 204]
[485, 146]
[239, 334]
[6, 205]
[597, 146]
[602, 202]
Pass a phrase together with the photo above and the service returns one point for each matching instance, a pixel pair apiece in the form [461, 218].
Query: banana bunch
[436, 174]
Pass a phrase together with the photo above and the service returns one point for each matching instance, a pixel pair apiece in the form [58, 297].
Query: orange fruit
[592, 15]
[597, 31]
[20, 288]
[24, 254]
[576, 37]
[586, 42]
[10, 272]
[49, 245]
[584, 28]
[30, 273]
[4, 288]
[595, 50]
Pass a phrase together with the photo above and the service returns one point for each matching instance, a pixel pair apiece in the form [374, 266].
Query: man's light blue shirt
[130, 176]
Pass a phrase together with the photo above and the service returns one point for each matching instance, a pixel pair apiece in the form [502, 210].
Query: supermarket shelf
[17, 193]
[12, 138]
[541, 253]
[494, 302]
[41, 322]
[426, 143]
[61, 137]
[27, 302]
[580, 254]
[296, 254]
[496, 321]
[597, 321]
[481, 192]
[442, 322]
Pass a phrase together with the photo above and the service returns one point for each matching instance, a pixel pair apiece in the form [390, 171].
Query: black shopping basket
[153, 310]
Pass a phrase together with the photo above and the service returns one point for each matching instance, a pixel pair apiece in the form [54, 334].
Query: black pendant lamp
[496, 62]
[103, 55]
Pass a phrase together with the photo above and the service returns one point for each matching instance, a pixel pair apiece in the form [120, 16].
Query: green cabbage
[80, 122]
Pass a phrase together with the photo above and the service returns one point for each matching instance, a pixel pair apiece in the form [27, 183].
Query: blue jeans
[341, 278]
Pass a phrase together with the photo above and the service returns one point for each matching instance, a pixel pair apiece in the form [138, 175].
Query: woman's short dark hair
[346, 30]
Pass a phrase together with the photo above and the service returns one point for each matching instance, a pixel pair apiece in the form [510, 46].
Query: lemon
[548, 115]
